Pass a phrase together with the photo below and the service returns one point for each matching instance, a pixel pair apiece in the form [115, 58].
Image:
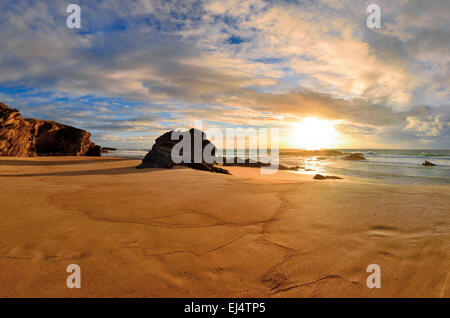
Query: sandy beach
[190, 233]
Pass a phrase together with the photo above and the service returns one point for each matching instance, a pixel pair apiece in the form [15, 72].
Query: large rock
[428, 164]
[160, 156]
[24, 137]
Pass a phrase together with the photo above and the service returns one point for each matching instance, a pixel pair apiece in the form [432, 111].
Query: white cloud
[235, 61]
[432, 126]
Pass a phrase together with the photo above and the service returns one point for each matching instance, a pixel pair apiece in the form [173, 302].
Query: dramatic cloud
[137, 68]
[431, 127]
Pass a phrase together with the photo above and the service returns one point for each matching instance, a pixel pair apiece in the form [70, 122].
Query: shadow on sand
[58, 163]
[131, 169]
[111, 172]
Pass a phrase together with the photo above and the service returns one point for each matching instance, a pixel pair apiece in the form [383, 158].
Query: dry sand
[189, 233]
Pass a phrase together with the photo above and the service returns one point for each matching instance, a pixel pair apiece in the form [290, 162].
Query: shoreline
[188, 233]
[406, 167]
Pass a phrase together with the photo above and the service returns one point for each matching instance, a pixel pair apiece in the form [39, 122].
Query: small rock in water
[427, 163]
[254, 164]
[355, 156]
[321, 177]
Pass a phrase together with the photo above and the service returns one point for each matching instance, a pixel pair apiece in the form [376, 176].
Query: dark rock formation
[253, 164]
[23, 137]
[238, 162]
[310, 153]
[355, 156]
[295, 168]
[107, 149]
[428, 164]
[321, 177]
[160, 156]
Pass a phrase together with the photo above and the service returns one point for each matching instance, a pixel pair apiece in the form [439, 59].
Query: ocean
[400, 166]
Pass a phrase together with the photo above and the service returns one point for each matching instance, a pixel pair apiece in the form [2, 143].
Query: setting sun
[312, 133]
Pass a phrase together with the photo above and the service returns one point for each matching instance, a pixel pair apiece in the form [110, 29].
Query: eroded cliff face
[22, 137]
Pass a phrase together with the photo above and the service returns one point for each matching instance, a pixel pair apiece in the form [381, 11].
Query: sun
[312, 134]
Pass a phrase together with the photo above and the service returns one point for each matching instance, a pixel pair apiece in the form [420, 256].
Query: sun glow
[312, 133]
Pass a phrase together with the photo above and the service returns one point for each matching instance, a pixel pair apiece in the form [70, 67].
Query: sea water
[389, 165]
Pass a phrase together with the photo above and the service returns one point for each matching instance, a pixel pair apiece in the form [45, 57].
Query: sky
[136, 69]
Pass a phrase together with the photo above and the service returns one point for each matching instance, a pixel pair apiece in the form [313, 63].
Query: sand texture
[190, 233]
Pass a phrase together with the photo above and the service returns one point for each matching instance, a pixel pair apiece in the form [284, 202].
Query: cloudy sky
[138, 68]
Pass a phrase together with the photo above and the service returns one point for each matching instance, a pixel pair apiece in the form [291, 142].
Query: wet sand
[189, 233]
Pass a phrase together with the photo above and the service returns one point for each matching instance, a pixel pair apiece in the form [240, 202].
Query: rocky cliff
[23, 137]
